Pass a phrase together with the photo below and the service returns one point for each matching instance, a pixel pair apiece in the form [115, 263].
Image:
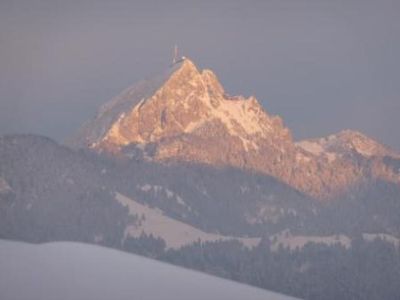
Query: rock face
[185, 115]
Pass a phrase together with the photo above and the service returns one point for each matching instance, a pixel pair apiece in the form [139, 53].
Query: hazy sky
[322, 65]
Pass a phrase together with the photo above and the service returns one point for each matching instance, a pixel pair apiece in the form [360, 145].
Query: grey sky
[322, 65]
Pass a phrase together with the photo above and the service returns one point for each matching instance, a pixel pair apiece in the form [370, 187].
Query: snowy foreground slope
[66, 270]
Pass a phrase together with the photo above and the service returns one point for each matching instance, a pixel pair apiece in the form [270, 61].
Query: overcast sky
[322, 65]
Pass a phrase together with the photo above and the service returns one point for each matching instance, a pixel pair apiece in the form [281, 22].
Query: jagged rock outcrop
[185, 115]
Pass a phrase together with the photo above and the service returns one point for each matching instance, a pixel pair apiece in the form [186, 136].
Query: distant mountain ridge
[185, 115]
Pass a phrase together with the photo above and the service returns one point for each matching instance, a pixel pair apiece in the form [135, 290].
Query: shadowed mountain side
[54, 193]
[50, 192]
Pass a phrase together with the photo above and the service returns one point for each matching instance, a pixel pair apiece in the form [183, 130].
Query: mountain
[80, 271]
[176, 169]
[184, 115]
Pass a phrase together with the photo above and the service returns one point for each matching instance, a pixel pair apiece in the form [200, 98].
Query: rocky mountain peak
[183, 102]
[187, 74]
[184, 115]
[183, 70]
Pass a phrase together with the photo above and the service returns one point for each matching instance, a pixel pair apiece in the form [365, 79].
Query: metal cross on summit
[176, 58]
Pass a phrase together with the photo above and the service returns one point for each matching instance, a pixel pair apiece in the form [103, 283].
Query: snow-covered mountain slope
[185, 115]
[175, 233]
[79, 271]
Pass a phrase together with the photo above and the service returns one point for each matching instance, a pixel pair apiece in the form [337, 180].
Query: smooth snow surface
[66, 270]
